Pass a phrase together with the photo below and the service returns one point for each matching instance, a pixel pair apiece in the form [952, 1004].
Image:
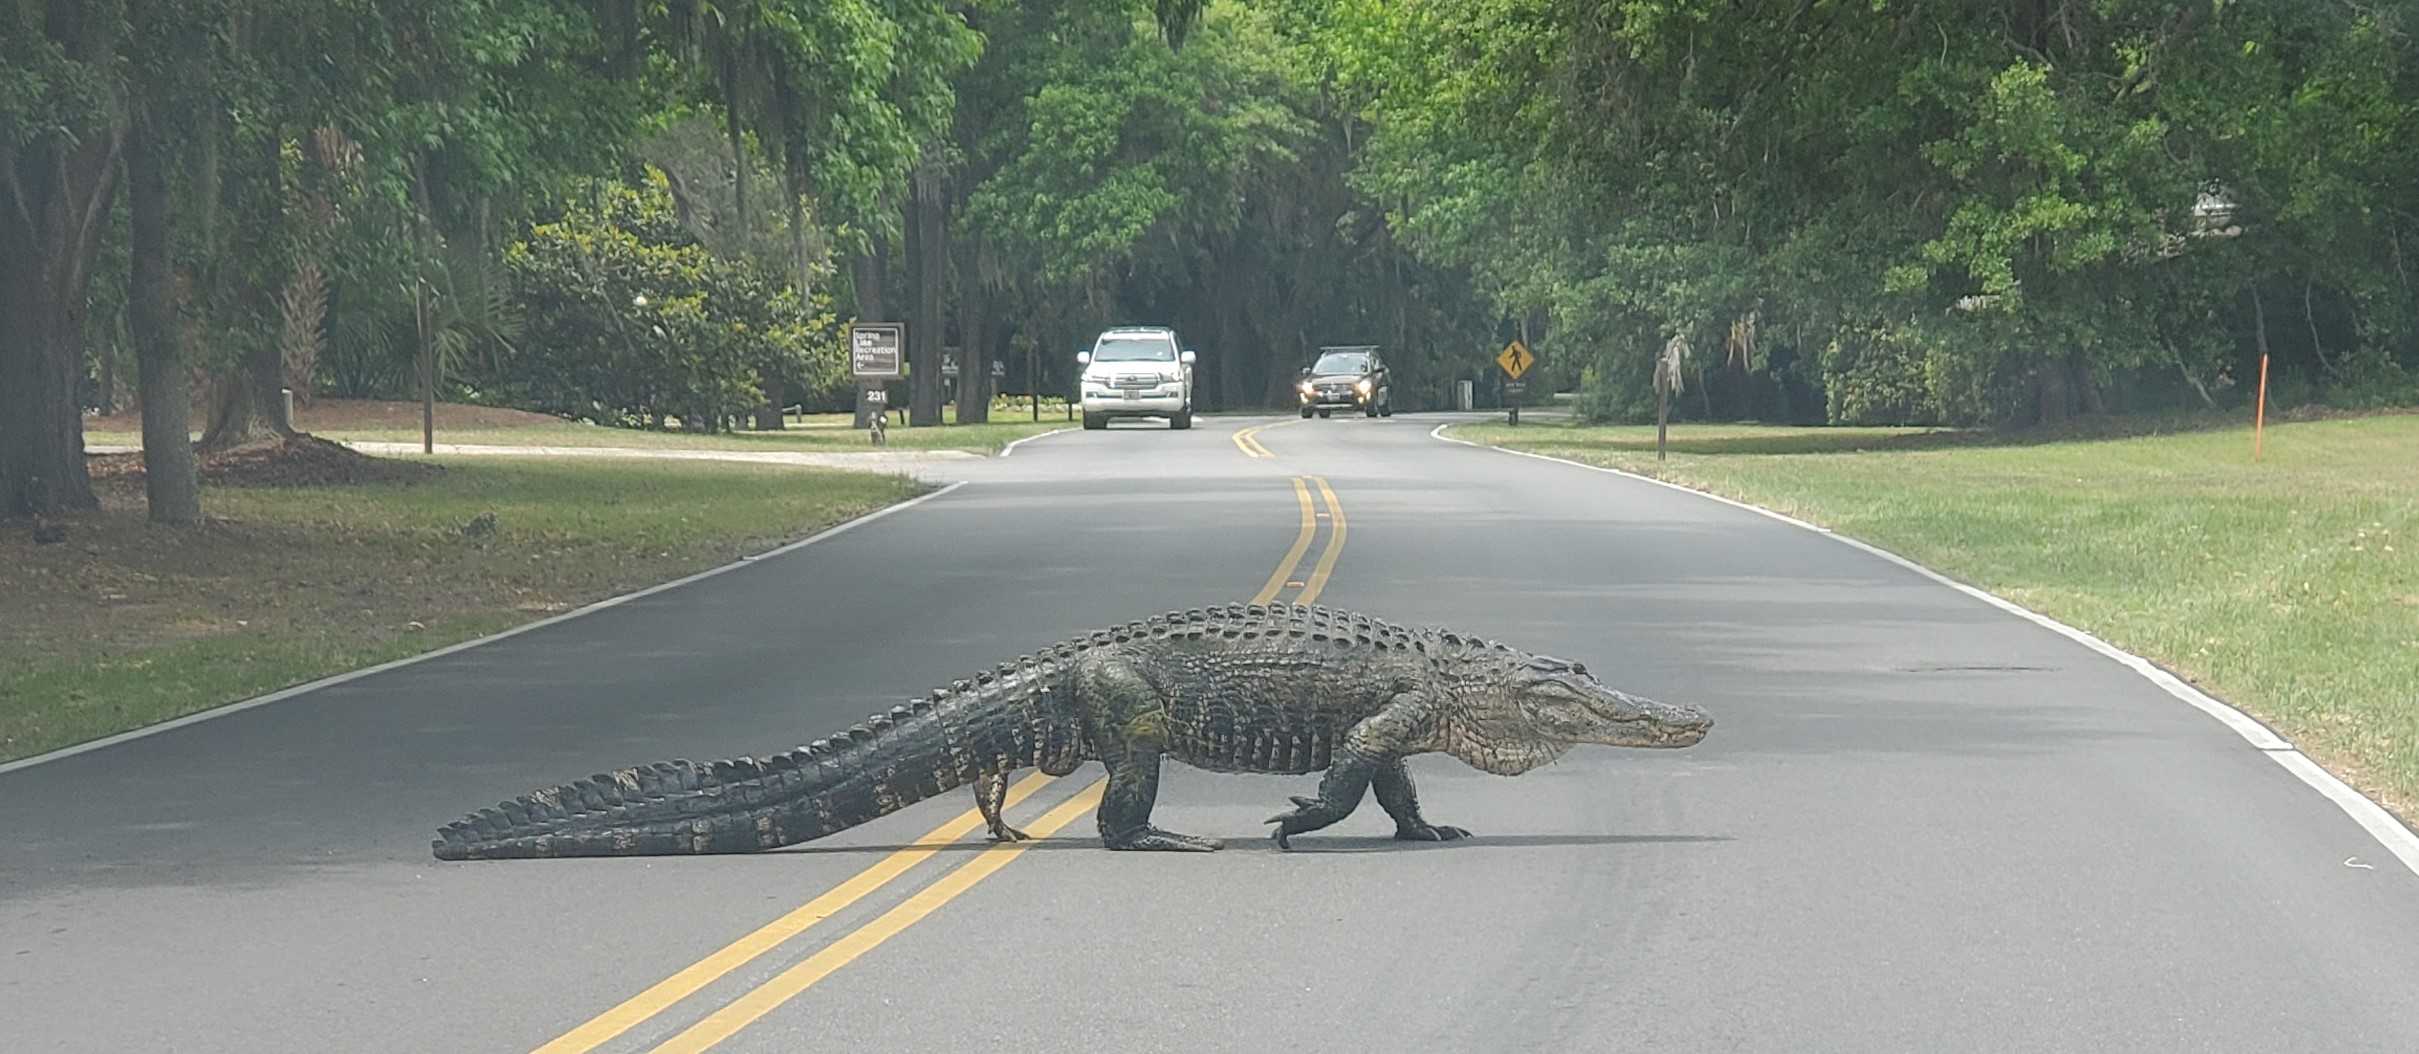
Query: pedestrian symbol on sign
[1515, 359]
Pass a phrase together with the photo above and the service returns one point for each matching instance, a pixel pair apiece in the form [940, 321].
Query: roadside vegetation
[302, 574]
[349, 420]
[639, 214]
[2288, 587]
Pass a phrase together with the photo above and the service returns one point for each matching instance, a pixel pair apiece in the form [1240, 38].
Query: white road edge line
[331, 681]
[2398, 839]
[1011, 447]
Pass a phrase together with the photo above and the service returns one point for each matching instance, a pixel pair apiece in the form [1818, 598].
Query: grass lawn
[388, 422]
[126, 624]
[2287, 587]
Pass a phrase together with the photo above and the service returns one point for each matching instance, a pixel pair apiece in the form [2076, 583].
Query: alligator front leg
[1372, 752]
[991, 798]
[1340, 792]
[1400, 799]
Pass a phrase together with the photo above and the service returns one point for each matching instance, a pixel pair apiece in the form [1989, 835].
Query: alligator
[1275, 688]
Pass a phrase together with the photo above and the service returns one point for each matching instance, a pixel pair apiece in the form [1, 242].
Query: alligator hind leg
[991, 797]
[1392, 782]
[1340, 792]
[1128, 722]
[1125, 809]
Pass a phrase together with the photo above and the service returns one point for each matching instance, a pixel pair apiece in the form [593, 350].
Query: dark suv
[1347, 377]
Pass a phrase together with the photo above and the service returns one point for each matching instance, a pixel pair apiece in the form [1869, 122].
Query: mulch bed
[295, 461]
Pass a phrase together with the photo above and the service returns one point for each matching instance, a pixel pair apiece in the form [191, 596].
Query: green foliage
[632, 321]
[1992, 212]
[1119, 138]
[1953, 213]
[1113, 178]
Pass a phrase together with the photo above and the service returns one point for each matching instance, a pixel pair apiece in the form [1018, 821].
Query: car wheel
[1386, 408]
[1369, 410]
[1306, 413]
[1181, 420]
[1095, 422]
[1323, 412]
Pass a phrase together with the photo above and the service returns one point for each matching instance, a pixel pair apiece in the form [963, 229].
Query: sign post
[2259, 414]
[1515, 360]
[1667, 381]
[874, 356]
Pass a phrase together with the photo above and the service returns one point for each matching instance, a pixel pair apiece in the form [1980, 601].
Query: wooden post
[1662, 414]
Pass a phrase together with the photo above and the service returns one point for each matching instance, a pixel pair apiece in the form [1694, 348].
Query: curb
[336, 679]
[1011, 447]
[2390, 832]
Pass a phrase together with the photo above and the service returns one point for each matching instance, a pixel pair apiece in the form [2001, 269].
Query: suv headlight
[1361, 386]
[1305, 387]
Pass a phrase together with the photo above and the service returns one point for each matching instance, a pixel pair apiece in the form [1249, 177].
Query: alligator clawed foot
[1153, 839]
[1309, 814]
[1429, 832]
[1005, 833]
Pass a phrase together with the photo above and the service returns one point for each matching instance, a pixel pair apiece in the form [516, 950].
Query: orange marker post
[2259, 417]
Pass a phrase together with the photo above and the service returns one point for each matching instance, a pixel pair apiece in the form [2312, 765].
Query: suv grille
[1137, 380]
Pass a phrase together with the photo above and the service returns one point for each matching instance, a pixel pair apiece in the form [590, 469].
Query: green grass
[127, 625]
[822, 433]
[2288, 587]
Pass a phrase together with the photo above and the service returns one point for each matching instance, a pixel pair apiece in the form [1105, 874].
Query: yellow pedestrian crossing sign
[1515, 359]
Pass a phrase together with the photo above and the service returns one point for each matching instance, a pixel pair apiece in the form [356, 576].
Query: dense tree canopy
[1881, 210]
[1919, 211]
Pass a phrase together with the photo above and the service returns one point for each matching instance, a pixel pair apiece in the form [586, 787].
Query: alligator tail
[740, 805]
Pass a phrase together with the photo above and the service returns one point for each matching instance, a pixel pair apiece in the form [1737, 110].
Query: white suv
[1137, 371]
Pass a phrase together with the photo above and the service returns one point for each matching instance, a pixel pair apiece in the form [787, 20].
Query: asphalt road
[1920, 823]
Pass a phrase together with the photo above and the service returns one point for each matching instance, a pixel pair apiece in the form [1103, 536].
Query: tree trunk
[2310, 318]
[2050, 382]
[421, 218]
[245, 403]
[2087, 390]
[105, 395]
[49, 240]
[974, 341]
[170, 483]
[727, 72]
[868, 270]
[1226, 351]
[931, 261]
[2259, 317]
[249, 403]
[2195, 382]
[768, 415]
[40, 472]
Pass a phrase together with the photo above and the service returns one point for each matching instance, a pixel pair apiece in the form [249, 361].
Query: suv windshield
[1135, 349]
[1342, 362]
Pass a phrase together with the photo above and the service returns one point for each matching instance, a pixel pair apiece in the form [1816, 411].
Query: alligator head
[1517, 711]
[1566, 704]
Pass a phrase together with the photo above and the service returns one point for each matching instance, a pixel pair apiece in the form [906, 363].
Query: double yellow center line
[729, 1019]
[1248, 440]
[1316, 582]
